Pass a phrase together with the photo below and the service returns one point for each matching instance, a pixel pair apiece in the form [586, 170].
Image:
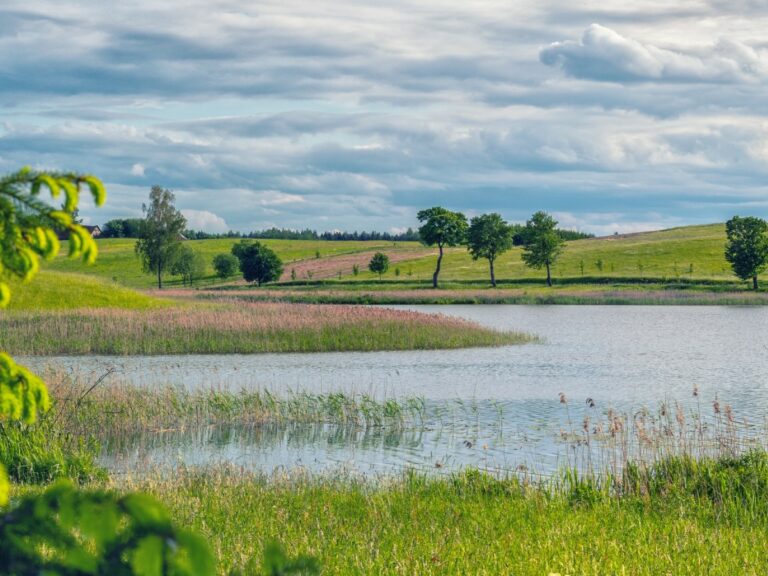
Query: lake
[496, 409]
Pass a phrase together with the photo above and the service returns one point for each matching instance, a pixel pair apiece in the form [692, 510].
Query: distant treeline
[131, 228]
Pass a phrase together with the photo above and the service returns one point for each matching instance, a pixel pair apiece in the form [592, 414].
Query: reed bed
[115, 409]
[242, 327]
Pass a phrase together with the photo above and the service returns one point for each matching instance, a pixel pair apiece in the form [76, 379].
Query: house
[94, 231]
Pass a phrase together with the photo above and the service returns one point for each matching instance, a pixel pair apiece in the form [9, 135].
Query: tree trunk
[493, 275]
[549, 276]
[159, 278]
[437, 270]
[754, 281]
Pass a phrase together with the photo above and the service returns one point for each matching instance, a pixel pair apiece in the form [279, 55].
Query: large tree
[257, 262]
[441, 228]
[747, 246]
[542, 243]
[161, 233]
[488, 237]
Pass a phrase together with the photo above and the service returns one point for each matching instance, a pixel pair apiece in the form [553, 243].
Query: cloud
[137, 169]
[604, 54]
[204, 220]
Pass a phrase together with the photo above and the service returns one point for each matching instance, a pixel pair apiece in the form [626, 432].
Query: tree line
[131, 228]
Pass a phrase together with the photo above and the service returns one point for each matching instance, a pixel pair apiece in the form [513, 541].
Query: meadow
[242, 328]
[602, 270]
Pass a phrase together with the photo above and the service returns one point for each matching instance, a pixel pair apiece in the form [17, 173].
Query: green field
[118, 262]
[692, 253]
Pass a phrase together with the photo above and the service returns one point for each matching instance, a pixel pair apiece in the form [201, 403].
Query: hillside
[61, 291]
[692, 252]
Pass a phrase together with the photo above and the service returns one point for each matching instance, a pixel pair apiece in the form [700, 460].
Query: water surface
[495, 408]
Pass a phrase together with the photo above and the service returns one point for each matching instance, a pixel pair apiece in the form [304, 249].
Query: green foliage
[442, 228]
[122, 228]
[22, 394]
[747, 247]
[188, 264]
[257, 262]
[28, 225]
[488, 237]
[379, 263]
[543, 243]
[67, 531]
[160, 239]
[225, 265]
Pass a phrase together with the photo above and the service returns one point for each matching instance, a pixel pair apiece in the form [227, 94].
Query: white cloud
[205, 221]
[604, 54]
[137, 170]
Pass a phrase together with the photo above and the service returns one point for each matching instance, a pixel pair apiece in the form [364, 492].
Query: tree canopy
[225, 265]
[188, 264]
[543, 243]
[488, 237]
[441, 228]
[160, 235]
[379, 263]
[747, 247]
[258, 263]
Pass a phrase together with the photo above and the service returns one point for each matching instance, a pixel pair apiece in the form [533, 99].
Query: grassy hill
[691, 253]
[61, 291]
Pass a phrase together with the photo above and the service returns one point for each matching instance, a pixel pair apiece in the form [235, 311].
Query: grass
[117, 259]
[686, 253]
[62, 291]
[624, 294]
[470, 524]
[248, 328]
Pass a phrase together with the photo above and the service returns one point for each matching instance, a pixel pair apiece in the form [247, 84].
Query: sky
[614, 116]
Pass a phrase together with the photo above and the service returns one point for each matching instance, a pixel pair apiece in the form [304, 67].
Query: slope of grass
[61, 291]
[686, 253]
[118, 261]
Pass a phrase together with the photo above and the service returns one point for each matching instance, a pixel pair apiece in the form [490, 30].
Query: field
[690, 255]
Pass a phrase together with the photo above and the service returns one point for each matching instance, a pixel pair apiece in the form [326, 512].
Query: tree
[257, 262]
[188, 264]
[488, 237]
[225, 265]
[747, 247]
[442, 228]
[379, 264]
[160, 236]
[543, 243]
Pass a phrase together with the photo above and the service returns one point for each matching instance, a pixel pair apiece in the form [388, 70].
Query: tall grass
[241, 328]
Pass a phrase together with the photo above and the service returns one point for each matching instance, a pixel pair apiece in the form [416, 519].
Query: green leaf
[5, 487]
[148, 558]
[146, 511]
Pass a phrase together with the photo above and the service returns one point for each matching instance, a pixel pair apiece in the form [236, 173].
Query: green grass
[474, 524]
[62, 291]
[118, 262]
[687, 252]
[678, 254]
